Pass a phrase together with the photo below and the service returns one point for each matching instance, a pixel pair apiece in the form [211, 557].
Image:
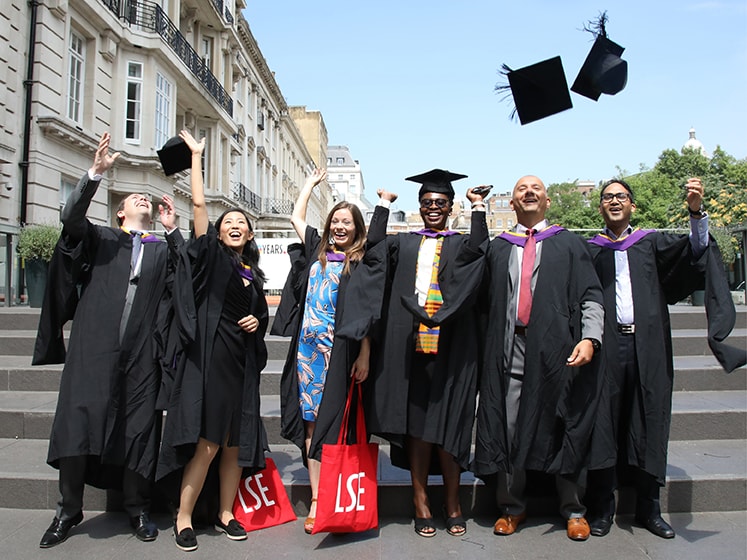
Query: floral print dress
[317, 336]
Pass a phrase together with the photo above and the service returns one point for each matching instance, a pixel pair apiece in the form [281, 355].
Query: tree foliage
[660, 196]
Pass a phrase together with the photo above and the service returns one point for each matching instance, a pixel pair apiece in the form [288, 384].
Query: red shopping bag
[348, 494]
[262, 501]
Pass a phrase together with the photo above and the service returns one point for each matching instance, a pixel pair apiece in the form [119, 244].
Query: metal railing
[150, 17]
[278, 206]
[243, 195]
[223, 11]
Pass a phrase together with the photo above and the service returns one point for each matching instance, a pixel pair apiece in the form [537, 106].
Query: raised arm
[201, 220]
[74, 213]
[298, 218]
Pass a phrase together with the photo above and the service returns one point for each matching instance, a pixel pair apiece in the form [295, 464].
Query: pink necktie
[525, 288]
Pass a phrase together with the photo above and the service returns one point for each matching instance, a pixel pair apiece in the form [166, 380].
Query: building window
[163, 109]
[134, 101]
[340, 161]
[203, 133]
[499, 223]
[67, 186]
[207, 49]
[352, 176]
[329, 161]
[77, 57]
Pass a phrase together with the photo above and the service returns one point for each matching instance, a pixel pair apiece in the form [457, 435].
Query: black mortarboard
[538, 90]
[175, 156]
[437, 181]
[603, 70]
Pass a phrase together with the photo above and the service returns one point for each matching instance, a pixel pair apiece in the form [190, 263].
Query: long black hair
[250, 254]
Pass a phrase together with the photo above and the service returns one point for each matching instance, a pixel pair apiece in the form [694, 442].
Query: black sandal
[424, 527]
[456, 526]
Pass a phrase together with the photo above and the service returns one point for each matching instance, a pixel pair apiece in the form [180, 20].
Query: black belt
[520, 329]
[624, 328]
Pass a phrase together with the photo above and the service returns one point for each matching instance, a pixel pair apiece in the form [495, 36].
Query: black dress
[225, 377]
[215, 392]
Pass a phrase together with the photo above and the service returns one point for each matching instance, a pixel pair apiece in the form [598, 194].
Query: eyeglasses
[439, 202]
[620, 196]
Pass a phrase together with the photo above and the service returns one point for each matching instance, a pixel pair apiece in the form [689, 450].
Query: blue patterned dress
[317, 336]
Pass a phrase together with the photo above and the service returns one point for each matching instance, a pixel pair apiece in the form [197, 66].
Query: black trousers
[135, 488]
[601, 484]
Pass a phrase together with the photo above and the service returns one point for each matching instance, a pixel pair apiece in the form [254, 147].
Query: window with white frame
[203, 133]
[207, 51]
[67, 186]
[163, 109]
[134, 101]
[76, 76]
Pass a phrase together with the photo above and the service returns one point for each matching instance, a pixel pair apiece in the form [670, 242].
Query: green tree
[569, 208]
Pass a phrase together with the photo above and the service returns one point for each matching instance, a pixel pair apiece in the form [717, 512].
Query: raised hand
[103, 160]
[167, 213]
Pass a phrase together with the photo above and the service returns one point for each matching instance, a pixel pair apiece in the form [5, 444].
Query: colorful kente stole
[426, 341]
[620, 244]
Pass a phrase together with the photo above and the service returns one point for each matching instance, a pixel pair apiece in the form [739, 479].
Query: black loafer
[58, 530]
[600, 526]
[144, 528]
[657, 526]
[234, 530]
[186, 540]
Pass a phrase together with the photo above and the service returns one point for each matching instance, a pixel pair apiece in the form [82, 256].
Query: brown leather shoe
[578, 529]
[508, 524]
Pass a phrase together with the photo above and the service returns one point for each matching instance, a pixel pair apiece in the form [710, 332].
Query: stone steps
[696, 415]
[707, 475]
[707, 468]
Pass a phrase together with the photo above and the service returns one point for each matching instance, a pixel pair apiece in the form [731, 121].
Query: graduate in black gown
[110, 282]
[642, 271]
[423, 381]
[214, 405]
[320, 366]
[540, 381]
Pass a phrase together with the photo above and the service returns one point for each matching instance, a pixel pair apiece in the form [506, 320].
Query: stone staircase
[707, 453]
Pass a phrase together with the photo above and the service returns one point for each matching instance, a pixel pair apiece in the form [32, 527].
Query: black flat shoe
[186, 540]
[234, 530]
[657, 526]
[58, 530]
[145, 529]
[600, 526]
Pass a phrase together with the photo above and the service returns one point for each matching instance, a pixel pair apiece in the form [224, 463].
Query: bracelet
[480, 203]
[698, 212]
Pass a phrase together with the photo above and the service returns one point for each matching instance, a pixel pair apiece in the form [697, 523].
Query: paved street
[106, 536]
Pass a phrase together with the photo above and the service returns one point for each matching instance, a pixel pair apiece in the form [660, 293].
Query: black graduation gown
[451, 403]
[344, 350]
[199, 291]
[558, 403]
[106, 406]
[662, 272]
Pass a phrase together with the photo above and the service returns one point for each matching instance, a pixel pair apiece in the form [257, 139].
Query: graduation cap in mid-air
[175, 156]
[538, 90]
[603, 70]
[437, 181]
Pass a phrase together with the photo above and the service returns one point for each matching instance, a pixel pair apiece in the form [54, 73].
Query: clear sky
[409, 85]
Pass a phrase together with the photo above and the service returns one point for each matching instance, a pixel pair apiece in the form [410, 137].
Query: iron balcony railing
[149, 16]
[278, 206]
[243, 195]
[223, 11]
